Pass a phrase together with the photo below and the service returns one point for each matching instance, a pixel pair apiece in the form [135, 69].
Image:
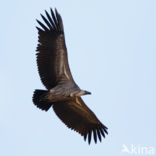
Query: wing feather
[52, 57]
[79, 117]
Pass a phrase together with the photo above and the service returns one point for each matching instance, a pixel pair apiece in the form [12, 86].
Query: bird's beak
[86, 92]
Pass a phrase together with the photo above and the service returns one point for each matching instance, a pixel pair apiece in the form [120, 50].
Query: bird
[62, 93]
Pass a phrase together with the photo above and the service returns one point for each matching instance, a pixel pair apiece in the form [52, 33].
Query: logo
[138, 150]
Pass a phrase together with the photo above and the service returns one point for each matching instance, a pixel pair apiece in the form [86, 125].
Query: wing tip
[98, 132]
[52, 22]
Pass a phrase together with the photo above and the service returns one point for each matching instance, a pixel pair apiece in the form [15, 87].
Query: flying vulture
[62, 93]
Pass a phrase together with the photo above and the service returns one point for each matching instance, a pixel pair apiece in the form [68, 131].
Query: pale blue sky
[112, 53]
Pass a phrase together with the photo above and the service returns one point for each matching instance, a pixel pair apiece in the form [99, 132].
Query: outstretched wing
[52, 58]
[77, 116]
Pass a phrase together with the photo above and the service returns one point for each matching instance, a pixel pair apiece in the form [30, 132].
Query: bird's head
[83, 92]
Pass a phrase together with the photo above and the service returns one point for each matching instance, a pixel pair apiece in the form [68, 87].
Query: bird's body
[62, 93]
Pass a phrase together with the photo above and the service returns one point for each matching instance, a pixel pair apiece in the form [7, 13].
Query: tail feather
[40, 101]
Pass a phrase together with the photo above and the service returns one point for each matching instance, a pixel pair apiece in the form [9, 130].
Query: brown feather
[79, 117]
[52, 53]
[54, 71]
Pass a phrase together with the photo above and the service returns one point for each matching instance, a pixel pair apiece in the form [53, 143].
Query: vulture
[62, 93]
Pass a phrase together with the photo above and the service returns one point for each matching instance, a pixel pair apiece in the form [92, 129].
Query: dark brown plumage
[62, 93]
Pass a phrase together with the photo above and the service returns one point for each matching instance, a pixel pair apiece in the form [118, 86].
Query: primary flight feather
[62, 93]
